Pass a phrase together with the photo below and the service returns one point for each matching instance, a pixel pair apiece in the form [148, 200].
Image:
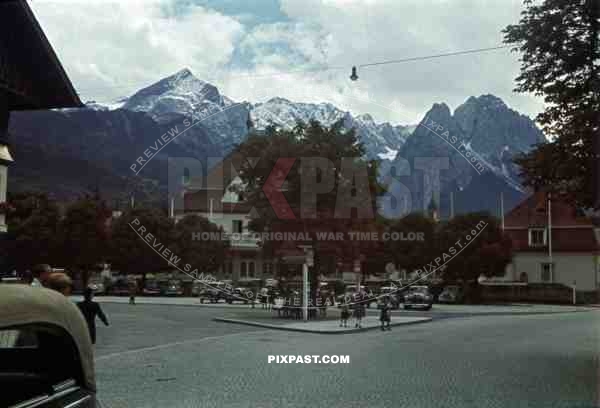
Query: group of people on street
[358, 312]
[43, 276]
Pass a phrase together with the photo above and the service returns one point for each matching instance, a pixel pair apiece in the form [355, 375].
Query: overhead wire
[331, 67]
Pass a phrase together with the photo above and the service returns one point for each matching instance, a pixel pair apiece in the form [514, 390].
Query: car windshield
[416, 182]
[418, 289]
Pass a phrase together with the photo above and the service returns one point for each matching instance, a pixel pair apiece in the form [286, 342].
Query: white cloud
[113, 48]
[343, 33]
[110, 48]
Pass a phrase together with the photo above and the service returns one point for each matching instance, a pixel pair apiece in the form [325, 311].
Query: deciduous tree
[560, 47]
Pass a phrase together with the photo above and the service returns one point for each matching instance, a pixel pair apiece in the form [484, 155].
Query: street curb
[295, 329]
[206, 305]
[578, 309]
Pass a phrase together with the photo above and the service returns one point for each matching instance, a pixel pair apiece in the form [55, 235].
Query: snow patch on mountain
[501, 171]
[379, 138]
[180, 93]
[389, 155]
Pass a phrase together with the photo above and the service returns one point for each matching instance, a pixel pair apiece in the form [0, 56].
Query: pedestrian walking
[132, 291]
[90, 309]
[385, 315]
[345, 315]
[358, 311]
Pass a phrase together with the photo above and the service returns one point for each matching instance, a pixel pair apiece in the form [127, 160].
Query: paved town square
[177, 356]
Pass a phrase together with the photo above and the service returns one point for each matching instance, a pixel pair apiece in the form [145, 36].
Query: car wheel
[428, 307]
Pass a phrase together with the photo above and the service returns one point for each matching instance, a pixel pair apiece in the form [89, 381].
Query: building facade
[219, 198]
[218, 201]
[553, 243]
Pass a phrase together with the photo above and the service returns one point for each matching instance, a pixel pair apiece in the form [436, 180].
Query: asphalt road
[176, 356]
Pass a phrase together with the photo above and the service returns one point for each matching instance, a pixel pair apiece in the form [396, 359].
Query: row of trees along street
[84, 234]
[488, 254]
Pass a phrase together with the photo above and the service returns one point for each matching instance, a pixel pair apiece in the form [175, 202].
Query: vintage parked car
[45, 349]
[418, 297]
[174, 288]
[151, 288]
[238, 295]
[391, 294]
[451, 294]
[120, 288]
[212, 295]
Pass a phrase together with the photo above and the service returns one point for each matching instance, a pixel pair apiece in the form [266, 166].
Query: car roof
[26, 305]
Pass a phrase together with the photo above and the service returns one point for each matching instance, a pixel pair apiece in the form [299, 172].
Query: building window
[268, 269]
[230, 268]
[251, 269]
[243, 270]
[185, 179]
[537, 237]
[547, 273]
[237, 226]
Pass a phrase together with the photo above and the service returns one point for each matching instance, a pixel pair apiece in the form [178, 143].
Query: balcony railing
[243, 240]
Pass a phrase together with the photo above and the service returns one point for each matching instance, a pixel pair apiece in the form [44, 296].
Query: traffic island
[327, 326]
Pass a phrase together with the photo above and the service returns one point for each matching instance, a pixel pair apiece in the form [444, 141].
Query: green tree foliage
[559, 43]
[481, 247]
[206, 255]
[412, 254]
[132, 254]
[32, 222]
[84, 234]
[312, 145]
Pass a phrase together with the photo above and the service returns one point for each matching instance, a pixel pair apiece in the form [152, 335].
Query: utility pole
[550, 236]
[502, 209]
[596, 169]
[308, 261]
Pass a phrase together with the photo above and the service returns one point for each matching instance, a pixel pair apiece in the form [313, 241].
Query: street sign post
[308, 261]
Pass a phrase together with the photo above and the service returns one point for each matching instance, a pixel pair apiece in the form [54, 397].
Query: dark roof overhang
[31, 75]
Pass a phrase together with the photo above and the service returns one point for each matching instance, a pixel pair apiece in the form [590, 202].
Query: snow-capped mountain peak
[380, 139]
[181, 93]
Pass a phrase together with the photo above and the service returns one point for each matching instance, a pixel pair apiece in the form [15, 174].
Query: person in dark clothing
[359, 310]
[90, 310]
[345, 315]
[385, 315]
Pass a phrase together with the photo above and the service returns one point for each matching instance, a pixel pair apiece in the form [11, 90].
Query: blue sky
[252, 12]
[112, 48]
